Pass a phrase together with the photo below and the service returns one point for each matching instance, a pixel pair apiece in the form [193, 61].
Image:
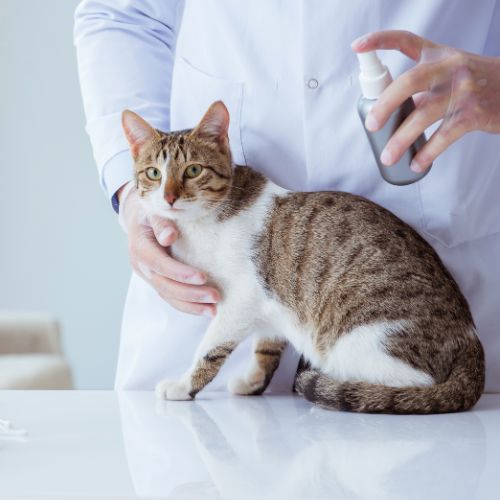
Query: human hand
[182, 286]
[461, 88]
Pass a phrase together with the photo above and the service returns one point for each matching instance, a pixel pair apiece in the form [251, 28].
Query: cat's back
[337, 218]
[312, 230]
[341, 248]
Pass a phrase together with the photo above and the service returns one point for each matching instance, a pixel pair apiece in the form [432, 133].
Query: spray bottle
[374, 77]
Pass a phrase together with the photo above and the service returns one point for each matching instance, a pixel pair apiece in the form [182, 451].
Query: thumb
[164, 229]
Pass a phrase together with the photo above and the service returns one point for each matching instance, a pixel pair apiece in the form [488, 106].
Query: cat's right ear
[137, 131]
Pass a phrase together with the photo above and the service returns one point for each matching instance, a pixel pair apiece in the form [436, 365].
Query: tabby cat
[381, 323]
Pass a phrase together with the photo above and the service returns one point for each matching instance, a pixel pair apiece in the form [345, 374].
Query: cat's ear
[215, 124]
[137, 131]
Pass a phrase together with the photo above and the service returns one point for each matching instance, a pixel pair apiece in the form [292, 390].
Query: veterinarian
[288, 76]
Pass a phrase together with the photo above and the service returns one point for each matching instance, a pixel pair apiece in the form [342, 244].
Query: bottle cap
[374, 77]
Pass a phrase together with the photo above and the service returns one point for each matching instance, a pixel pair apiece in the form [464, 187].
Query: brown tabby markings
[338, 277]
[267, 356]
[340, 261]
[458, 393]
[209, 365]
[180, 149]
[246, 186]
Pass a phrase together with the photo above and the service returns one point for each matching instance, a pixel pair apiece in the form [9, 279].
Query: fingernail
[195, 279]
[165, 234]
[386, 157]
[415, 166]
[371, 123]
[359, 42]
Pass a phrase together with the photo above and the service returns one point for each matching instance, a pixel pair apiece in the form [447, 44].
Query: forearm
[125, 51]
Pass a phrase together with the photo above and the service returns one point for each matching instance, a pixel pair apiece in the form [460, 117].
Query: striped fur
[458, 392]
[367, 301]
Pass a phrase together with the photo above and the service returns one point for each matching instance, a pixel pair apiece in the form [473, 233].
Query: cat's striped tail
[459, 392]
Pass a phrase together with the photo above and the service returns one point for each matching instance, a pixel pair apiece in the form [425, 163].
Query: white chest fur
[223, 249]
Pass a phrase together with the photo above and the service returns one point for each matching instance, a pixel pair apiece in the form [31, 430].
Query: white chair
[30, 353]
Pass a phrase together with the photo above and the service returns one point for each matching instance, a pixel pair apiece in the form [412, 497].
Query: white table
[105, 444]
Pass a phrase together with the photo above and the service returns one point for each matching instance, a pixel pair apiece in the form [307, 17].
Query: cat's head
[186, 174]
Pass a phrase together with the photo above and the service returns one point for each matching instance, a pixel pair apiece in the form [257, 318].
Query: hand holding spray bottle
[374, 78]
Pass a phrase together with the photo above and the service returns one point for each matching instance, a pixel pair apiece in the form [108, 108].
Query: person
[288, 76]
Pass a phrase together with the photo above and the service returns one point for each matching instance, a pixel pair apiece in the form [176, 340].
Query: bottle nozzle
[369, 63]
[374, 76]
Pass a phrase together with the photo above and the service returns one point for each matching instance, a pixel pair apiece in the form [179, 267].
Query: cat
[380, 322]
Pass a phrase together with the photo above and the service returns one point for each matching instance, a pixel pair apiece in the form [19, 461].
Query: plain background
[61, 249]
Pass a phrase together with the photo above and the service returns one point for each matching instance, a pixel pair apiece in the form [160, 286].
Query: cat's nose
[170, 197]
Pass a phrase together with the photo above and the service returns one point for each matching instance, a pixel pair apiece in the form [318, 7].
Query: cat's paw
[174, 390]
[246, 386]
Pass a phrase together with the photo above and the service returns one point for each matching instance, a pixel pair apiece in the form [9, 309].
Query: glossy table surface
[86, 444]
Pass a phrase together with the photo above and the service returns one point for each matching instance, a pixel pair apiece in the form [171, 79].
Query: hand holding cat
[182, 286]
[461, 88]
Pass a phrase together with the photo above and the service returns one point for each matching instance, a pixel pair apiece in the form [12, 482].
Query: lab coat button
[312, 83]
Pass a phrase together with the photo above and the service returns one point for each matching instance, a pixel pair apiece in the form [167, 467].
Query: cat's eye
[153, 174]
[193, 170]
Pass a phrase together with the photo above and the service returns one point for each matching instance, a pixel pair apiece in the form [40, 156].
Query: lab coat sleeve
[125, 51]
[492, 46]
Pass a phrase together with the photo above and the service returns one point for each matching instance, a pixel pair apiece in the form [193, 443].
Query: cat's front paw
[174, 390]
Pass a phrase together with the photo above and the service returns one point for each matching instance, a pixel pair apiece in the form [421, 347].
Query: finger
[411, 82]
[406, 42]
[209, 310]
[161, 263]
[170, 289]
[144, 249]
[427, 113]
[445, 135]
[164, 229]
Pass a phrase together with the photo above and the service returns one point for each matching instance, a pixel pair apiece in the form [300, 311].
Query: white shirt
[289, 78]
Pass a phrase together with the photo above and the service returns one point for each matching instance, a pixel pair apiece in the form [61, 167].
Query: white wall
[61, 249]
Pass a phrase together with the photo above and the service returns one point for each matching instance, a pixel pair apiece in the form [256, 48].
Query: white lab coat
[263, 59]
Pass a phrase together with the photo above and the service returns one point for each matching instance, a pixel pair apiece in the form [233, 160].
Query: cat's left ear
[137, 131]
[215, 124]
